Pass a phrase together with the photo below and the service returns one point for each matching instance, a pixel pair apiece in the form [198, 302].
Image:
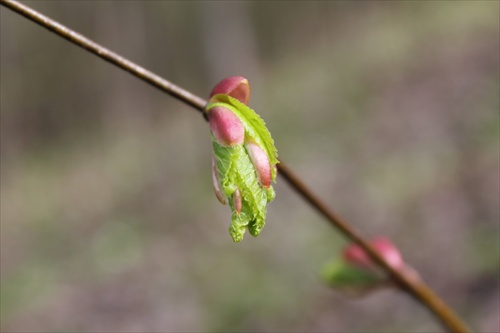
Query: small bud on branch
[234, 86]
[356, 255]
[244, 154]
[355, 272]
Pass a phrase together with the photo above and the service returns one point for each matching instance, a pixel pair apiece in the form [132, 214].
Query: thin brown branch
[407, 282]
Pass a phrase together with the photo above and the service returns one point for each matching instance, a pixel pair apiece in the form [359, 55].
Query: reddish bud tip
[226, 126]
[356, 255]
[389, 251]
[217, 188]
[237, 201]
[260, 162]
[234, 86]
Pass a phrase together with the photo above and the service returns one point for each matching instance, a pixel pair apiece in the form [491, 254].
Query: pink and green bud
[244, 156]
[356, 274]
[356, 255]
[217, 188]
[234, 86]
[226, 126]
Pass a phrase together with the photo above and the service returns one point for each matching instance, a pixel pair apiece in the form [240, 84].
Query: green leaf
[345, 276]
[236, 171]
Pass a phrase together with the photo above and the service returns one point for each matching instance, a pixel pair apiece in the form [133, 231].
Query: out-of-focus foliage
[390, 110]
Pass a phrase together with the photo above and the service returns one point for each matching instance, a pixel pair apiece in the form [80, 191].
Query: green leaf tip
[244, 164]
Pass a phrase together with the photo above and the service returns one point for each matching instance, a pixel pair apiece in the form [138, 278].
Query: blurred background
[109, 223]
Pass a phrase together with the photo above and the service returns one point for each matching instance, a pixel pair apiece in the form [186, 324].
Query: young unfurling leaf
[244, 163]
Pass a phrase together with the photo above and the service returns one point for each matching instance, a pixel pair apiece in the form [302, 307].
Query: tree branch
[407, 282]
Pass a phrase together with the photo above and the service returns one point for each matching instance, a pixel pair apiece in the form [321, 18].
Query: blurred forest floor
[389, 110]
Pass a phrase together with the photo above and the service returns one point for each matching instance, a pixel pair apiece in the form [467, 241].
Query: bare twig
[413, 286]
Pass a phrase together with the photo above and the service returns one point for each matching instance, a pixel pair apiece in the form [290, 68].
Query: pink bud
[356, 255]
[215, 179]
[234, 86]
[237, 201]
[260, 162]
[226, 126]
[389, 251]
